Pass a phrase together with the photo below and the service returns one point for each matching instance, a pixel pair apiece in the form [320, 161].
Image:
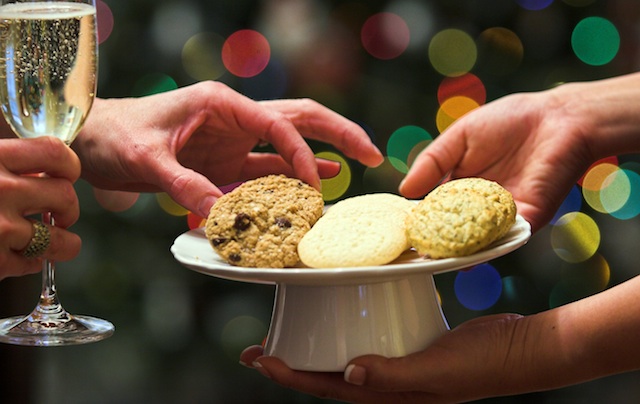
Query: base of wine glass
[65, 330]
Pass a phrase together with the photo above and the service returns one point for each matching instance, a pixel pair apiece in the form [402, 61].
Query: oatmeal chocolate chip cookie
[261, 222]
[460, 218]
[366, 230]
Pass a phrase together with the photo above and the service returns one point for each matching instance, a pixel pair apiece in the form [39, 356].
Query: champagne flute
[48, 65]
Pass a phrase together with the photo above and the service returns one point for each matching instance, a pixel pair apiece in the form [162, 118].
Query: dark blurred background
[404, 70]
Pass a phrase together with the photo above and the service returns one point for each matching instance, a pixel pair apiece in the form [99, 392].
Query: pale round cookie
[261, 222]
[355, 235]
[455, 223]
[392, 200]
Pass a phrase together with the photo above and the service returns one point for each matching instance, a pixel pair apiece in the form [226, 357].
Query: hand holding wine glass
[48, 64]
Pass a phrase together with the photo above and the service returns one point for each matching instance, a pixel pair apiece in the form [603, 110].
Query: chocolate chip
[217, 241]
[283, 222]
[235, 257]
[242, 222]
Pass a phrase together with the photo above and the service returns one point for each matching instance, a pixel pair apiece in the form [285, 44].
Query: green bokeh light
[595, 41]
[401, 144]
[153, 84]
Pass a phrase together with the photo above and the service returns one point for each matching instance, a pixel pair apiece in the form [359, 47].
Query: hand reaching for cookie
[186, 141]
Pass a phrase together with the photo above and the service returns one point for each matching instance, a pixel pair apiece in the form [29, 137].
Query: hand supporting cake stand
[323, 318]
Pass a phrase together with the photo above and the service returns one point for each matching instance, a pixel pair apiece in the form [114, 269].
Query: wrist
[604, 114]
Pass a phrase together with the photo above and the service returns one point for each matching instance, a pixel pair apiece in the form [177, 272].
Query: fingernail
[355, 375]
[258, 366]
[401, 184]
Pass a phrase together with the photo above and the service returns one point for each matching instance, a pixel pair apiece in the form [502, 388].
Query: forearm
[607, 112]
[591, 338]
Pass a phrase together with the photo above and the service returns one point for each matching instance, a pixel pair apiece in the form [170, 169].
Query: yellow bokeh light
[452, 109]
[201, 56]
[594, 182]
[452, 52]
[575, 237]
[334, 188]
[170, 206]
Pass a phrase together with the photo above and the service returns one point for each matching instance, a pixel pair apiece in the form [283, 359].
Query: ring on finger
[39, 242]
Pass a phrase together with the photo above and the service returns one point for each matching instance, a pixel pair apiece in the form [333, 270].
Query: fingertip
[355, 374]
[257, 365]
[205, 205]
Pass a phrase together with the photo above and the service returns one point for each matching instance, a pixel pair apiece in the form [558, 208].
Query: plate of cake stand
[324, 317]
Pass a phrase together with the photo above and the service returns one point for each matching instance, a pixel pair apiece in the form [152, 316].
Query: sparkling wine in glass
[48, 65]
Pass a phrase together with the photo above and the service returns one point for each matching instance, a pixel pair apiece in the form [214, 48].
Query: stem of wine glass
[49, 312]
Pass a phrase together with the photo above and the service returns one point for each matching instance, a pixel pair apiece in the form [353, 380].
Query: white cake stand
[324, 317]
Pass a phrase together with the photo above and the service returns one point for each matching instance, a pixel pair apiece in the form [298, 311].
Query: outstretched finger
[315, 121]
[186, 187]
[435, 162]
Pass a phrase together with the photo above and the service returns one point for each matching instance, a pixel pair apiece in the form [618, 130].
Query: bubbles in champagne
[48, 69]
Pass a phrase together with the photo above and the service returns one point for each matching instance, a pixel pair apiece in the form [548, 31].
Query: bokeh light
[419, 17]
[616, 191]
[172, 24]
[239, 333]
[105, 21]
[334, 188]
[594, 182]
[153, 83]
[453, 109]
[416, 150]
[534, 4]
[468, 85]
[595, 41]
[607, 160]
[383, 178]
[246, 53]
[195, 221]
[385, 35]
[572, 203]
[621, 198]
[115, 201]
[201, 56]
[578, 281]
[402, 142]
[170, 206]
[478, 288]
[452, 52]
[500, 51]
[575, 237]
